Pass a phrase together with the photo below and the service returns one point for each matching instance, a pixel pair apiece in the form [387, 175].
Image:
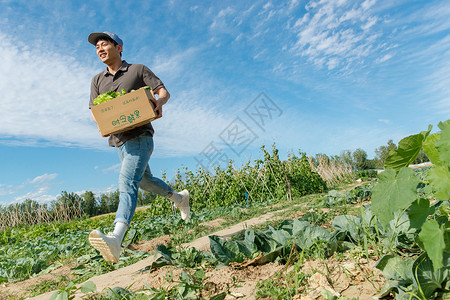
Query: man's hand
[162, 99]
[158, 108]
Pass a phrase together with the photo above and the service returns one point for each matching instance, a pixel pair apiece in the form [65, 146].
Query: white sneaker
[108, 245]
[183, 205]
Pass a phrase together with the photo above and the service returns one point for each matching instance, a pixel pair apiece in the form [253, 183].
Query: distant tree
[421, 158]
[371, 163]
[114, 200]
[382, 153]
[359, 159]
[90, 207]
[346, 157]
[104, 207]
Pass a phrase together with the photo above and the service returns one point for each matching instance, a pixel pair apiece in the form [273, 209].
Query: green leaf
[430, 149]
[54, 296]
[443, 144]
[220, 296]
[222, 251]
[306, 234]
[407, 151]
[63, 296]
[350, 225]
[426, 279]
[432, 237]
[265, 242]
[393, 192]
[88, 287]
[395, 268]
[439, 177]
[419, 211]
[447, 236]
[394, 287]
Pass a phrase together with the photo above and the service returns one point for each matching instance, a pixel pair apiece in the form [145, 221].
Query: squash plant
[395, 200]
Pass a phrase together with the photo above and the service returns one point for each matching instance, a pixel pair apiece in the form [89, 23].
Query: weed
[284, 284]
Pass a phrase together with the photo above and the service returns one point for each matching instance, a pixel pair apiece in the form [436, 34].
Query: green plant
[68, 292]
[411, 218]
[48, 285]
[284, 284]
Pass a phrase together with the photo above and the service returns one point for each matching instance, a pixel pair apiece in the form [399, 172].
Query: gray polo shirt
[128, 77]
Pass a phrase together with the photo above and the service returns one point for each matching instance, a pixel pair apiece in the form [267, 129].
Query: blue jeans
[134, 173]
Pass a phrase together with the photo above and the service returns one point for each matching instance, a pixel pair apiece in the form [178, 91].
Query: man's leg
[159, 187]
[134, 155]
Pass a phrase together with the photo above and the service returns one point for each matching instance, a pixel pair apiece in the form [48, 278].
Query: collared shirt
[128, 77]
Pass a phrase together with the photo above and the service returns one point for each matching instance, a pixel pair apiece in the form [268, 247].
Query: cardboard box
[125, 112]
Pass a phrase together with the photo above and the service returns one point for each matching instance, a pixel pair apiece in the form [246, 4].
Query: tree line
[358, 159]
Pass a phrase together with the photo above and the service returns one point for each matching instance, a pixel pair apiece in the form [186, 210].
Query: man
[134, 146]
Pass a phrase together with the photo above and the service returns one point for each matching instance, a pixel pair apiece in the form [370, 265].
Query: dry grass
[62, 212]
[333, 171]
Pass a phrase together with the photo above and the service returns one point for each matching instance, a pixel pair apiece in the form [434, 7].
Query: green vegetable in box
[111, 95]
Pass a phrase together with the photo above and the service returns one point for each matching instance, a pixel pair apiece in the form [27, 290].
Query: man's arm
[163, 97]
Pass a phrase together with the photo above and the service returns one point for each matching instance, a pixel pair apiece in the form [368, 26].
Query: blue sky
[317, 76]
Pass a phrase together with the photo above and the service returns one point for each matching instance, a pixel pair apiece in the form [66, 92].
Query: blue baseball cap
[93, 37]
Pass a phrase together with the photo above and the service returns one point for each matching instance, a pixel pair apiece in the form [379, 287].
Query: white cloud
[45, 101]
[98, 192]
[44, 96]
[114, 168]
[6, 190]
[384, 121]
[221, 23]
[173, 66]
[43, 179]
[335, 33]
[36, 189]
[189, 125]
[368, 4]
[384, 58]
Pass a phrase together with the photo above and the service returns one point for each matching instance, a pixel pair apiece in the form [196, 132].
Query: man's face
[107, 52]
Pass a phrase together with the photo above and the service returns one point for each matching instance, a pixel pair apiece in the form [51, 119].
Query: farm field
[384, 237]
[306, 208]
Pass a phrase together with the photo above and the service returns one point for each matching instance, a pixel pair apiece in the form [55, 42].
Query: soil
[342, 277]
[150, 246]
[24, 288]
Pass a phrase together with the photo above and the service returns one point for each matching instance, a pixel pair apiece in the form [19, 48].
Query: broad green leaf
[395, 268]
[393, 192]
[426, 279]
[248, 248]
[306, 234]
[443, 125]
[419, 211]
[220, 296]
[63, 296]
[280, 236]
[54, 296]
[430, 149]
[216, 246]
[447, 236]
[443, 144]
[350, 225]
[439, 177]
[432, 237]
[394, 287]
[407, 151]
[265, 242]
[88, 287]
